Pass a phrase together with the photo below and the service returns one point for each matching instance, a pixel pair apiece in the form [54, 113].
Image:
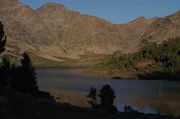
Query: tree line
[163, 58]
[21, 78]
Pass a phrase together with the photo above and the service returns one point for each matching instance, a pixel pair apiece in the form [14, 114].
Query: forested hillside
[152, 61]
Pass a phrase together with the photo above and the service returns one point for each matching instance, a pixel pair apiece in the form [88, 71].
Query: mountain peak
[139, 19]
[51, 5]
[52, 11]
[177, 13]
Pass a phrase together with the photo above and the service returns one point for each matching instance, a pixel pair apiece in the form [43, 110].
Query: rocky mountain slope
[53, 31]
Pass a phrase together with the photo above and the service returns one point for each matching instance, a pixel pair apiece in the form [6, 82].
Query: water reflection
[144, 95]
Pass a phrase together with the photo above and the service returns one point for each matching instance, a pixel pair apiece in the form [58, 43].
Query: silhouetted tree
[6, 76]
[128, 108]
[5, 64]
[5, 71]
[92, 97]
[25, 79]
[2, 38]
[107, 98]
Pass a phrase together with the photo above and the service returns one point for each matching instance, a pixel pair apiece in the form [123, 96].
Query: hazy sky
[116, 11]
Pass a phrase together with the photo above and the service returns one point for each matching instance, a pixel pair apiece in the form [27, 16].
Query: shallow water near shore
[148, 96]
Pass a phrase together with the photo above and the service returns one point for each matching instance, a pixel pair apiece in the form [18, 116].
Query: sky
[115, 11]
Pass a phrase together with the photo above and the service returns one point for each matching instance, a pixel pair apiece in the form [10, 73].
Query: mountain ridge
[53, 31]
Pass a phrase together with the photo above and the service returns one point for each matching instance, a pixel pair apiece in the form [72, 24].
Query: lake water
[148, 96]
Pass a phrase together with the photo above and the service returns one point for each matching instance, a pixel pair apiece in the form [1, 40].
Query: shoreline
[19, 106]
[87, 70]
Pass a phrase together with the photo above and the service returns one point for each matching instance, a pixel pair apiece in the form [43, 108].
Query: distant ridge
[52, 31]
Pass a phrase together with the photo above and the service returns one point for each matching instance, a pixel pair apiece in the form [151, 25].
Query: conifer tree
[107, 97]
[2, 38]
[26, 76]
[5, 71]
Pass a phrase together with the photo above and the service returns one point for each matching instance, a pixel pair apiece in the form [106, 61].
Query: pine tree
[5, 64]
[26, 77]
[92, 97]
[107, 97]
[5, 71]
[2, 38]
